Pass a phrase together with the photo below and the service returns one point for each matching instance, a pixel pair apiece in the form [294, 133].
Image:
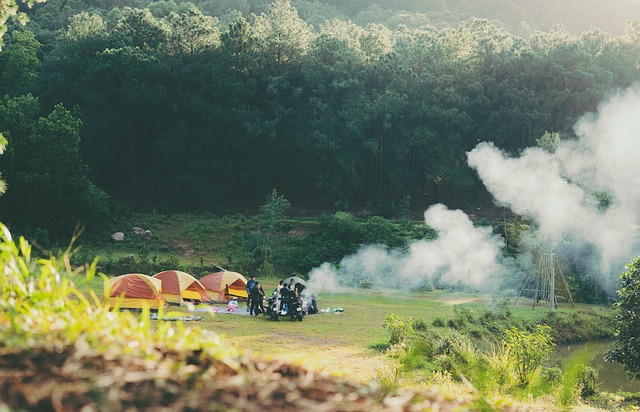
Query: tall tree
[21, 63]
[191, 33]
[50, 188]
[284, 35]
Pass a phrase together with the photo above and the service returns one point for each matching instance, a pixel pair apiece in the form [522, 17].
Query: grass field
[342, 344]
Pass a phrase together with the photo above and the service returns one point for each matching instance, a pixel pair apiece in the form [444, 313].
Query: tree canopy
[211, 105]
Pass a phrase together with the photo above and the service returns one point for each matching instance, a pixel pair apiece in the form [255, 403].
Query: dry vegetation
[79, 378]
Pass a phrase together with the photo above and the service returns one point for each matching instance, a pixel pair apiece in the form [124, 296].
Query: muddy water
[611, 376]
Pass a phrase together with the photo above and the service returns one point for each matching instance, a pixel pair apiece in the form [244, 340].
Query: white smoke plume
[461, 253]
[558, 190]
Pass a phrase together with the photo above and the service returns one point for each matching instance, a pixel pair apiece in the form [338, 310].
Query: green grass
[344, 343]
[349, 343]
[341, 344]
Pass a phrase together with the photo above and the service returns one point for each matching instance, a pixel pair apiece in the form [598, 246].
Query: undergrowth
[497, 353]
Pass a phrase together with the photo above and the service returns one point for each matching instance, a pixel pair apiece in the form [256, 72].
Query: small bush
[420, 325]
[529, 350]
[399, 328]
[552, 376]
[587, 381]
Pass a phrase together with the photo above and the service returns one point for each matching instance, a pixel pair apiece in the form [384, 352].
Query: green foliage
[44, 162]
[580, 326]
[400, 329]
[41, 307]
[184, 113]
[550, 141]
[626, 343]
[528, 350]
[499, 352]
[9, 10]
[588, 382]
[489, 324]
[274, 207]
[21, 65]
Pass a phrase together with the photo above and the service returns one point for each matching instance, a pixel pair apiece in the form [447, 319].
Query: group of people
[256, 295]
[288, 293]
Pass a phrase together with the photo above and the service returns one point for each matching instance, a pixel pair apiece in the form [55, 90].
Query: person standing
[250, 284]
[286, 296]
[256, 300]
[261, 299]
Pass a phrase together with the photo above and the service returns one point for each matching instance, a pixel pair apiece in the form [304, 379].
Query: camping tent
[133, 291]
[296, 279]
[300, 284]
[221, 285]
[177, 286]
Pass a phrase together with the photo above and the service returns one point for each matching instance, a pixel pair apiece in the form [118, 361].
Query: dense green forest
[208, 105]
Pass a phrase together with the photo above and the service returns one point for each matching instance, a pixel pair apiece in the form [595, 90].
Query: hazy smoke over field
[561, 192]
[462, 253]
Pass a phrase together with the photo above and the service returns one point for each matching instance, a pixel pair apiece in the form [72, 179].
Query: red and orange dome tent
[178, 286]
[225, 285]
[134, 291]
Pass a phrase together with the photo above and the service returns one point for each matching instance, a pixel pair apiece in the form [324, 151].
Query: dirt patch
[183, 247]
[328, 355]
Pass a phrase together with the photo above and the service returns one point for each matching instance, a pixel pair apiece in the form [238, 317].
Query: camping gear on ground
[292, 307]
[183, 318]
[332, 310]
[179, 286]
[222, 286]
[233, 305]
[134, 291]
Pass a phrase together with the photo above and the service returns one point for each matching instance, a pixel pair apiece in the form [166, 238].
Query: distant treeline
[161, 105]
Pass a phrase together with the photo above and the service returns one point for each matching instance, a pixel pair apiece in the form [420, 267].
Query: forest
[209, 105]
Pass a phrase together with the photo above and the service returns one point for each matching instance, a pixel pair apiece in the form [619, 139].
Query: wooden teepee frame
[546, 283]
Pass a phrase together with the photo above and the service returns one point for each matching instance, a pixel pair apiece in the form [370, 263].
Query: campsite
[450, 188]
[347, 343]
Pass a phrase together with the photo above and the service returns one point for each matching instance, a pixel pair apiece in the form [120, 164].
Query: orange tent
[177, 286]
[223, 285]
[134, 290]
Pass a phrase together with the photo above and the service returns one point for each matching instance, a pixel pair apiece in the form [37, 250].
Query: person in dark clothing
[250, 284]
[256, 300]
[286, 296]
[261, 299]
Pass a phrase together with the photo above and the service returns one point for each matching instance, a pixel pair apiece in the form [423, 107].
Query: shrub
[420, 325]
[587, 380]
[626, 343]
[399, 328]
[528, 350]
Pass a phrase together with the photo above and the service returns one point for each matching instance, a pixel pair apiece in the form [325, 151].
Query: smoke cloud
[461, 253]
[562, 192]
[559, 191]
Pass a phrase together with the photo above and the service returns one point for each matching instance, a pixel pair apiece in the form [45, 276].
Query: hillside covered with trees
[208, 105]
